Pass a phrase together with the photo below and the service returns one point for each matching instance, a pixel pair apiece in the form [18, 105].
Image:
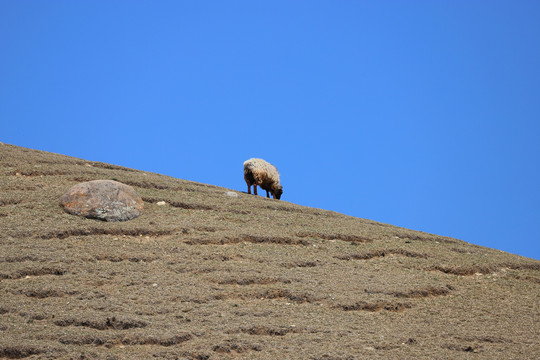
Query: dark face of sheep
[278, 192]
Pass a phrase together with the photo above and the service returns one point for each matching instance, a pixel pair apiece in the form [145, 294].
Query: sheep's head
[277, 191]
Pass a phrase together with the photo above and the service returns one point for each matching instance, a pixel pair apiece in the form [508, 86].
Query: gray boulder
[106, 200]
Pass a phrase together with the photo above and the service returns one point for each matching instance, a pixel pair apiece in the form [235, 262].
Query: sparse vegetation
[209, 277]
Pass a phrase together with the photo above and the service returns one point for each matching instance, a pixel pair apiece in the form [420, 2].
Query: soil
[210, 276]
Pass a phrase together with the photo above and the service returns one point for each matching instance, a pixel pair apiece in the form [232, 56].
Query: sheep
[264, 174]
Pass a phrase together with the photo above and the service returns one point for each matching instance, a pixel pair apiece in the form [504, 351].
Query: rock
[106, 200]
[161, 203]
[231, 194]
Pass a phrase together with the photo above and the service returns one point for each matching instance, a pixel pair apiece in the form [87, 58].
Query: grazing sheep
[264, 174]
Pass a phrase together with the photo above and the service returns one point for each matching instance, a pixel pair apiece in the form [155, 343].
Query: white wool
[259, 172]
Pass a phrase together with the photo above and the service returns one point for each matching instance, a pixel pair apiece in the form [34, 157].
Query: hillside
[209, 276]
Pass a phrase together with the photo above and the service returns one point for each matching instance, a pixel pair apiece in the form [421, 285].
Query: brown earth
[208, 276]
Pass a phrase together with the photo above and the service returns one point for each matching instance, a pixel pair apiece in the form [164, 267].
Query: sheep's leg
[249, 189]
[255, 189]
[267, 195]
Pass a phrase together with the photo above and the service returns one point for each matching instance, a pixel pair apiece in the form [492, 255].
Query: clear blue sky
[421, 114]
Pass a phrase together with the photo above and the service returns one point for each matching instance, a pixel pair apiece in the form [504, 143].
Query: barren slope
[209, 276]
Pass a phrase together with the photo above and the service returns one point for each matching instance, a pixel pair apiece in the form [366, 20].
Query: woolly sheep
[264, 174]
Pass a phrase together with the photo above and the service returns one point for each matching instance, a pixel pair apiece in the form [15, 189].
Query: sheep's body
[264, 174]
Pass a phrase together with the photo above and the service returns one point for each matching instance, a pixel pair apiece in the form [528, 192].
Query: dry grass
[208, 276]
